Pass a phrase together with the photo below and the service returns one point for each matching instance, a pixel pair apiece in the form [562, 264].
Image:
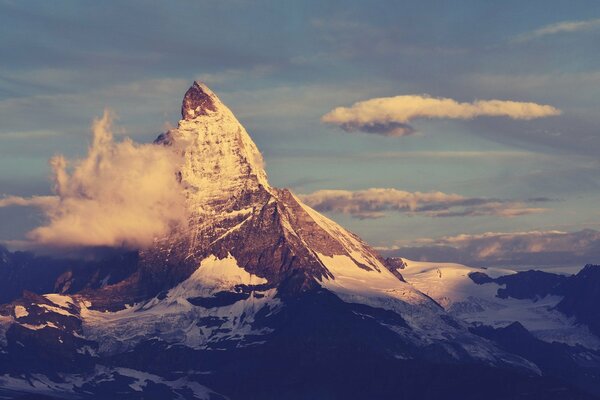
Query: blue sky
[281, 66]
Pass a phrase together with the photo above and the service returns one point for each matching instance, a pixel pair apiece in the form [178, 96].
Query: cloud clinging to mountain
[122, 194]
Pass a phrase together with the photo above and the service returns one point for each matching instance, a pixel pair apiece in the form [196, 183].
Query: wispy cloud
[531, 248]
[375, 202]
[43, 202]
[37, 134]
[444, 154]
[558, 28]
[392, 116]
[121, 194]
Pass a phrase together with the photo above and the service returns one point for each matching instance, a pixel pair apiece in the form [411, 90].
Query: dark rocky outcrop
[574, 364]
[582, 297]
[196, 102]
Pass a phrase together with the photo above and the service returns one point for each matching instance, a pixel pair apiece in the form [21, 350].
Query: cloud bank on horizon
[511, 249]
[392, 116]
[122, 194]
[375, 202]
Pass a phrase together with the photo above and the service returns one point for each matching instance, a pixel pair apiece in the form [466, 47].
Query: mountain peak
[233, 211]
[220, 162]
[197, 101]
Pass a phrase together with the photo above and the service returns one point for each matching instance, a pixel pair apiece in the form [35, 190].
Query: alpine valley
[258, 296]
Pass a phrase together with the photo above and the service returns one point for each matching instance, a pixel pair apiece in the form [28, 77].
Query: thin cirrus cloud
[392, 116]
[122, 194]
[531, 248]
[559, 28]
[376, 202]
[43, 202]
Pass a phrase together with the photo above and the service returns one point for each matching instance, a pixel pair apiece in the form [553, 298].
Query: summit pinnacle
[197, 100]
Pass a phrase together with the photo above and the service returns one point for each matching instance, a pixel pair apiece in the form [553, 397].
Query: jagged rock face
[48, 327]
[197, 101]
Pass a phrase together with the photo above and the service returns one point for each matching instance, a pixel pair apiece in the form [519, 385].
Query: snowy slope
[449, 284]
[174, 318]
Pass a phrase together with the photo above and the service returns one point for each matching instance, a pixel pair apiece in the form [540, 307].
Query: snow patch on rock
[60, 300]
[20, 312]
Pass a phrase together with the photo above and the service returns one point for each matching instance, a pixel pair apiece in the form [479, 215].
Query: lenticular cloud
[122, 194]
[391, 116]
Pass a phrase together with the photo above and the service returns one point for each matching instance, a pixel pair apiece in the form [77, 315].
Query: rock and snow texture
[216, 305]
[450, 285]
[220, 159]
[125, 381]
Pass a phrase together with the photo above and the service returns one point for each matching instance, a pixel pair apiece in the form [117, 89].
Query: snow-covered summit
[220, 160]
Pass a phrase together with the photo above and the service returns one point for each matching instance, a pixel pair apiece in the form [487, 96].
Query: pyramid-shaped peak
[198, 100]
[221, 160]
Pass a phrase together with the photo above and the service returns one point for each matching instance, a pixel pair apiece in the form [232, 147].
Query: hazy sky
[282, 65]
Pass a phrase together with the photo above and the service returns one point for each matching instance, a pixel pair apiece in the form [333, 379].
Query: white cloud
[391, 116]
[560, 27]
[121, 194]
[375, 202]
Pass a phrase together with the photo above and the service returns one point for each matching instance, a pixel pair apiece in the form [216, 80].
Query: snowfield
[449, 284]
